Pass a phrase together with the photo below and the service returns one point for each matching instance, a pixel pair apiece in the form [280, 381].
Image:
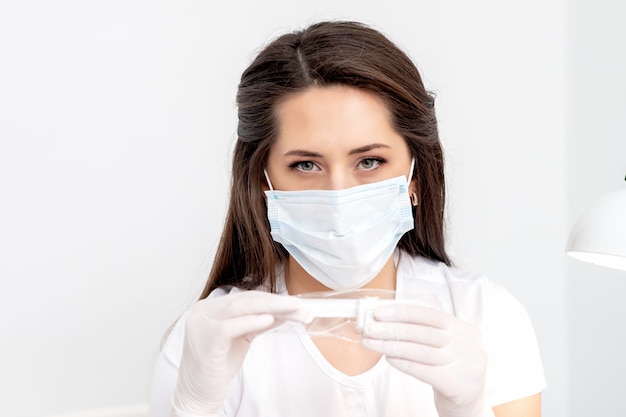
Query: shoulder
[467, 294]
[423, 269]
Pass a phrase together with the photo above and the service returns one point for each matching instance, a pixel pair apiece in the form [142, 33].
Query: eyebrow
[368, 148]
[310, 154]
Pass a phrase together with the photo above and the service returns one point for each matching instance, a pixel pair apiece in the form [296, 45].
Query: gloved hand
[436, 348]
[218, 333]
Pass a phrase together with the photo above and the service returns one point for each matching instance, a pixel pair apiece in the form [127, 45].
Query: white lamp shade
[599, 234]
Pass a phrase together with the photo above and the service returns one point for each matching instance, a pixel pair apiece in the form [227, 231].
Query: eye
[370, 163]
[304, 166]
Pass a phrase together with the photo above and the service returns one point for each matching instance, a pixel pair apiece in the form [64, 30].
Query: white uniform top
[285, 375]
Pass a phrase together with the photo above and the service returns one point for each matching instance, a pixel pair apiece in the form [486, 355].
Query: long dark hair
[323, 54]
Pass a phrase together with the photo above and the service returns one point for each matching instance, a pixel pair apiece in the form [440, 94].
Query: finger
[247, 303]
[302, 315]
[412, 352]
[439, 378]
[432, 375]
[277, 321]
[415, 333]
[413, 314]
[219, 334]
[246, 325]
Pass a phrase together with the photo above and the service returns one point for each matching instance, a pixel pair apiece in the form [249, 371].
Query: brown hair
[325, 53]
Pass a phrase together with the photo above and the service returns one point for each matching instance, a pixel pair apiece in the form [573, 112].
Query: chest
[348, 357]
[294, 375]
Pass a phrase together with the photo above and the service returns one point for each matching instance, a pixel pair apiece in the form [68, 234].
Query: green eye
[370, 163]
[306, 166]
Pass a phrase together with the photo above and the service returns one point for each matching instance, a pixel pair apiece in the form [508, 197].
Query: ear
[413, 188]
[264, 188]
[414, 193]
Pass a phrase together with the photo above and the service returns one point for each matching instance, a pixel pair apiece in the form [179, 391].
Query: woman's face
[331, 138]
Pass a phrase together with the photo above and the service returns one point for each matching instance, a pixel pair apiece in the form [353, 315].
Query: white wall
[116, 123]
[503, 123]
[597, 164]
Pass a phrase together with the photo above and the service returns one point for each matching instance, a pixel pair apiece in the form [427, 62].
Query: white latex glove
[218, 333]
[436, 348]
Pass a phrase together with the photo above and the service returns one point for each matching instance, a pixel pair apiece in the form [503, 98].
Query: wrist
[187, 400]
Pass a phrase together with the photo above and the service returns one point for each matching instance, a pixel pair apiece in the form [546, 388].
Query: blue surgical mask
[342, 238]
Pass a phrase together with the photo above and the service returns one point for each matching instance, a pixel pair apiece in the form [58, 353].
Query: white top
[285, 375]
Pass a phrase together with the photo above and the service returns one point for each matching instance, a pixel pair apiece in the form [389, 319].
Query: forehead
[334, 117]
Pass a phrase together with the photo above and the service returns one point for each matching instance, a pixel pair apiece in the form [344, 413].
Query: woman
[338, 184]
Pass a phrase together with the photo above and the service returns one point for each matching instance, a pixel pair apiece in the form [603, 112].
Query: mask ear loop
[267, 178]
[410, 171]
[414, 200]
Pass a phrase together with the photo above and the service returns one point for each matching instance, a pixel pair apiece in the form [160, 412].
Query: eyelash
[295, 166]
[378, 162]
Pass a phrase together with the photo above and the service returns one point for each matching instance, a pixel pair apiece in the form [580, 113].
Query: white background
[117, 119]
